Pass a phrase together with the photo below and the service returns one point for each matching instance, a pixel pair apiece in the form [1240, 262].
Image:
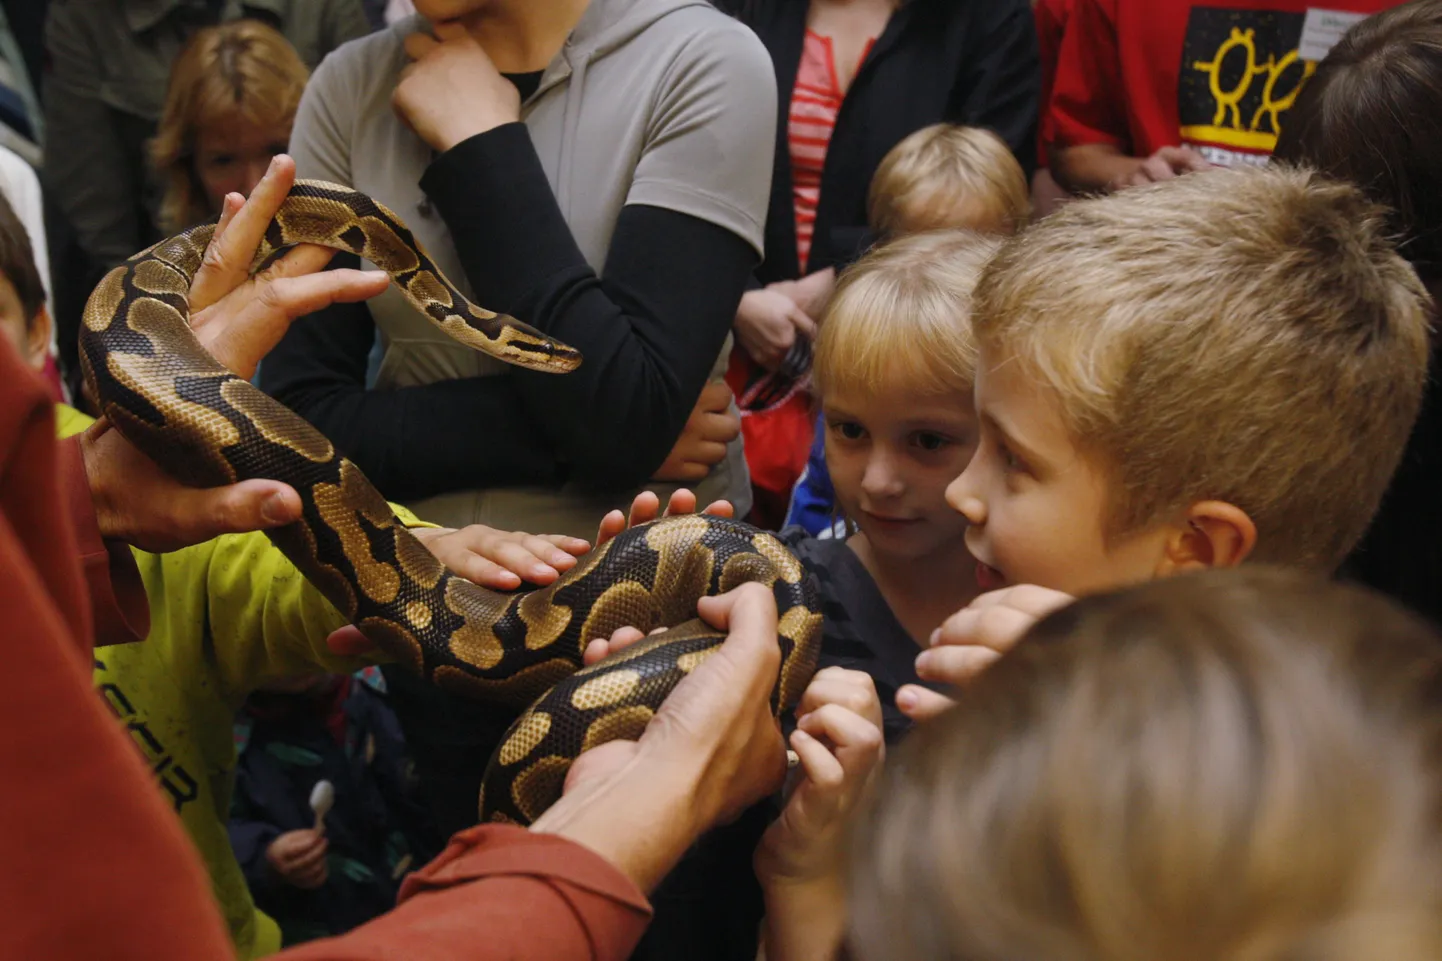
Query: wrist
[106, 518]
[641, 818]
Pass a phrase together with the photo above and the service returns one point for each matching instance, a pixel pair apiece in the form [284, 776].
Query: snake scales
[207, 427]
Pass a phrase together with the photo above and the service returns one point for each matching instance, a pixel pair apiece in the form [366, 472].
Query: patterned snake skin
[207, 427]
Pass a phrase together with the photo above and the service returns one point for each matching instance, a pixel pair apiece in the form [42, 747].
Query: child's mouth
[988, 578]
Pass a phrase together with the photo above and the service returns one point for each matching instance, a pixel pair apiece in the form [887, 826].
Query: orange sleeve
[95, 864]
[502, 892]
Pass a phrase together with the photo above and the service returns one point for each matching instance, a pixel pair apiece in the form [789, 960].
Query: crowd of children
[1081, 355]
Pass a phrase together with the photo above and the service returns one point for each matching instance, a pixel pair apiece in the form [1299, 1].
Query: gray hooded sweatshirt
[667, 103]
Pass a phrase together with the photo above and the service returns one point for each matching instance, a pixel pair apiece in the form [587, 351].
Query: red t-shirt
[1051, 18]
[1217, 76]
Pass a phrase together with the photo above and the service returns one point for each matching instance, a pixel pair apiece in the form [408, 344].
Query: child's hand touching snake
[799, 861]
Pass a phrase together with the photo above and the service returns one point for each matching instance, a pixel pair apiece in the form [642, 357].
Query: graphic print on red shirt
[1241, 70]
[1218, 75]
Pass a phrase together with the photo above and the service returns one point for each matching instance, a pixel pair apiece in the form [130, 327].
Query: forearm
[649, 326]
[411, 442]
[804, 921]
[641, 820]
[1093, 167]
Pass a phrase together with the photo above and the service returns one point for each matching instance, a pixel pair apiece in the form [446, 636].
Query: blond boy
[948, 176]
[1189, 375]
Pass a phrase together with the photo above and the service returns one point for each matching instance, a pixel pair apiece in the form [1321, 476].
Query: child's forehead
[894, 392]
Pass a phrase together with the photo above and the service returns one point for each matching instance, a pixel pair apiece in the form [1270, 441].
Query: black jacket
[971, 62]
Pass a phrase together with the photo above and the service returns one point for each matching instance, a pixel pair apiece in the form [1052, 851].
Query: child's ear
[37, 339]
[1214, 534]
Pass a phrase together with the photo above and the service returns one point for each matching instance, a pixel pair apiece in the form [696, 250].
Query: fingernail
[905, 699]
[935, 637]
[273, 509]
[802, 719]
[923, 661]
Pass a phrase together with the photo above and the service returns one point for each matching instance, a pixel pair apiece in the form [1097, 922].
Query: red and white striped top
[814, 105]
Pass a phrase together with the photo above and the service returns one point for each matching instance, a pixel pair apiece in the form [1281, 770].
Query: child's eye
[849, 429]
[1009, 460]
[929, 441]
[222, 160]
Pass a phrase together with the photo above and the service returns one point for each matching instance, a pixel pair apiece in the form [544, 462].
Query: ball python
[207, 427]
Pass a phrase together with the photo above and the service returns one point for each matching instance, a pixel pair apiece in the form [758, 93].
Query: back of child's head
[1372, 114]
[946, 176]
[1236, 765]
[238, 73]
[902, 315]
[1248, 335]
[17, 262]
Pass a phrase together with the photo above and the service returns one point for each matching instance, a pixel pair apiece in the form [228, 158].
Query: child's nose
[881, 478]
[962, 497]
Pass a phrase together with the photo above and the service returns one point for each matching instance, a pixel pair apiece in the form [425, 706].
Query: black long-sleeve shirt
[649, 329]
[971, 63]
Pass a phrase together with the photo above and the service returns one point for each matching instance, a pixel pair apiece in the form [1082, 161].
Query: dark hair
[17, 261]
[1372, 114]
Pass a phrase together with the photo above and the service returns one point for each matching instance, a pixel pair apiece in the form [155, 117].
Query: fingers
[681, 502]
[228, 257]
[853, 691]
[803, 323]
[748, 614]
[612, 524]
[228, 209]
[312, 878]
[720, 509]
[954, 665]
[348, 641]
[921, 704]
[309, 857]
[998, 619]
[715, 397]
[241, 338]
[297, 262]
[575, 546]
[857, 741]
[601, 648]
[644, 508]
[820, 766]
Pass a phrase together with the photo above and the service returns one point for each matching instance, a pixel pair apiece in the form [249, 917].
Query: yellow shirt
[224, 616]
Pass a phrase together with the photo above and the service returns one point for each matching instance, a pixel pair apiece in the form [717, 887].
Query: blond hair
[1231, 766]
[902, 314]
[949, 176]
[243, 72]
[1249, 336]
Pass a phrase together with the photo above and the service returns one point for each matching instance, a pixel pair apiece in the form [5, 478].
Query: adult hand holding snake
[712, 750]
[238, 319]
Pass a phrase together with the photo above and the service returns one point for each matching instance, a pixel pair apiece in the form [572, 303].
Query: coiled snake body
[207, 427]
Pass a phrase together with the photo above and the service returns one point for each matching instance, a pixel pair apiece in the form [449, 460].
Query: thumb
[253, 505]
[804, 323]
[348, 641]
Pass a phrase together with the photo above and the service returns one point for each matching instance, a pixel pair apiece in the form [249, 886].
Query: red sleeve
[502, 892]
[1088, 101]
[117, 595]
[95, 864]
[1051, 18]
